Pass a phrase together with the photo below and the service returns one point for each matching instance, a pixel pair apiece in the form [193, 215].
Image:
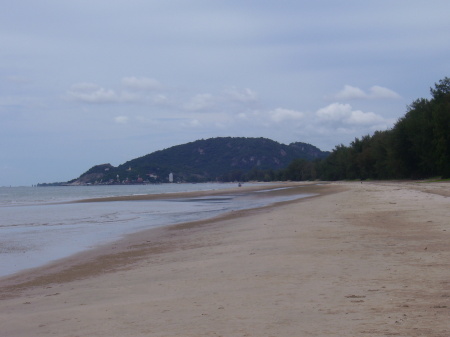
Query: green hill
[214, 159]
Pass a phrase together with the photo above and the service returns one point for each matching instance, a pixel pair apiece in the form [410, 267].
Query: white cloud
[344, 113]
[141, 83]
[160, 99]
[133, 90]
[375, 92]
[350, 92]
[334, 112]
[121, 119]
[200, 102]
[280, 115]
[92, 93]
[242, 116]
[194, 123]
[241, 95]
[364, 118]
[381, 92]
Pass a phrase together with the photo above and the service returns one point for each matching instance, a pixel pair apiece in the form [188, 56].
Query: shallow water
[36, 227]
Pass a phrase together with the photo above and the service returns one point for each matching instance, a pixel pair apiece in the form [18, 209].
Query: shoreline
[89, 258]
[364, 259]
[253, 187]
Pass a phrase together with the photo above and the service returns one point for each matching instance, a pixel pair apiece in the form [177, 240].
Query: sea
[39, 225]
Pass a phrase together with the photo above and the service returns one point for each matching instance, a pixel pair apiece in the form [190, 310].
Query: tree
[441, 127]
[441, 89]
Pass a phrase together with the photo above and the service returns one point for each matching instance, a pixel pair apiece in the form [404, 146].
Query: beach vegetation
[417, 147]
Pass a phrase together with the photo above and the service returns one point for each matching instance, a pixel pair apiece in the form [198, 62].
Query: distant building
[170, 177]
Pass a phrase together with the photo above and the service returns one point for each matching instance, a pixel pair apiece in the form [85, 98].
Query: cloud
[141, 83]
[364, 118]
[280, 115]
[230, 99]
[147, 91]
[381, 92]
[375, 92]
[200, 102]
[344, 113]
[242, 115]
[241, 95]
[194, 123]
[93, 93]
[350, 92]
[121, 119]
[160, 99]
[133, 90]
[334, 112]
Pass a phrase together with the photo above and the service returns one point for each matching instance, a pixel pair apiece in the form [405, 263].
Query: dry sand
[369, 259]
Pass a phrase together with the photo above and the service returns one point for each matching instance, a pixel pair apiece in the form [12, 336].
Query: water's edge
[77, 227]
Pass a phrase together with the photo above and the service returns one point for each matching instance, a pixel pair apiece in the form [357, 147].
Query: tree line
[416, 147]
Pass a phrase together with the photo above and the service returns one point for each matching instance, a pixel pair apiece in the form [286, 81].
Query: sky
[105, 81]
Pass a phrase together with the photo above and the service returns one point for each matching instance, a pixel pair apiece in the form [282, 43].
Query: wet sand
[367, 259]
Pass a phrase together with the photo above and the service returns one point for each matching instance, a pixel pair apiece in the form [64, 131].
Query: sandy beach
[370, 259]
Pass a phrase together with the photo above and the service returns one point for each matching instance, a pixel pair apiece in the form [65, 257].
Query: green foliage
[221, 159]
[418, 146]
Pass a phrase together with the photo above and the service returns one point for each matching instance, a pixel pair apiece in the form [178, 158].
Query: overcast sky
[88, 82]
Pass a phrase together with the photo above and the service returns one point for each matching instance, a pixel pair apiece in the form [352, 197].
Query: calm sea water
[37, 225]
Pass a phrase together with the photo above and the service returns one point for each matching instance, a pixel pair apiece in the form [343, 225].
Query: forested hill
[222, 158]
[418, 146]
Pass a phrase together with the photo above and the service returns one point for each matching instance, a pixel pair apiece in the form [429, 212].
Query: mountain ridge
[213, 159]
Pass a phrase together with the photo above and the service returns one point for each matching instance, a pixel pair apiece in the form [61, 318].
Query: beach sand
[370, 259]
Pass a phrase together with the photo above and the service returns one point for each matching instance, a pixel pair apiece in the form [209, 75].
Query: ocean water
[39, 224]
